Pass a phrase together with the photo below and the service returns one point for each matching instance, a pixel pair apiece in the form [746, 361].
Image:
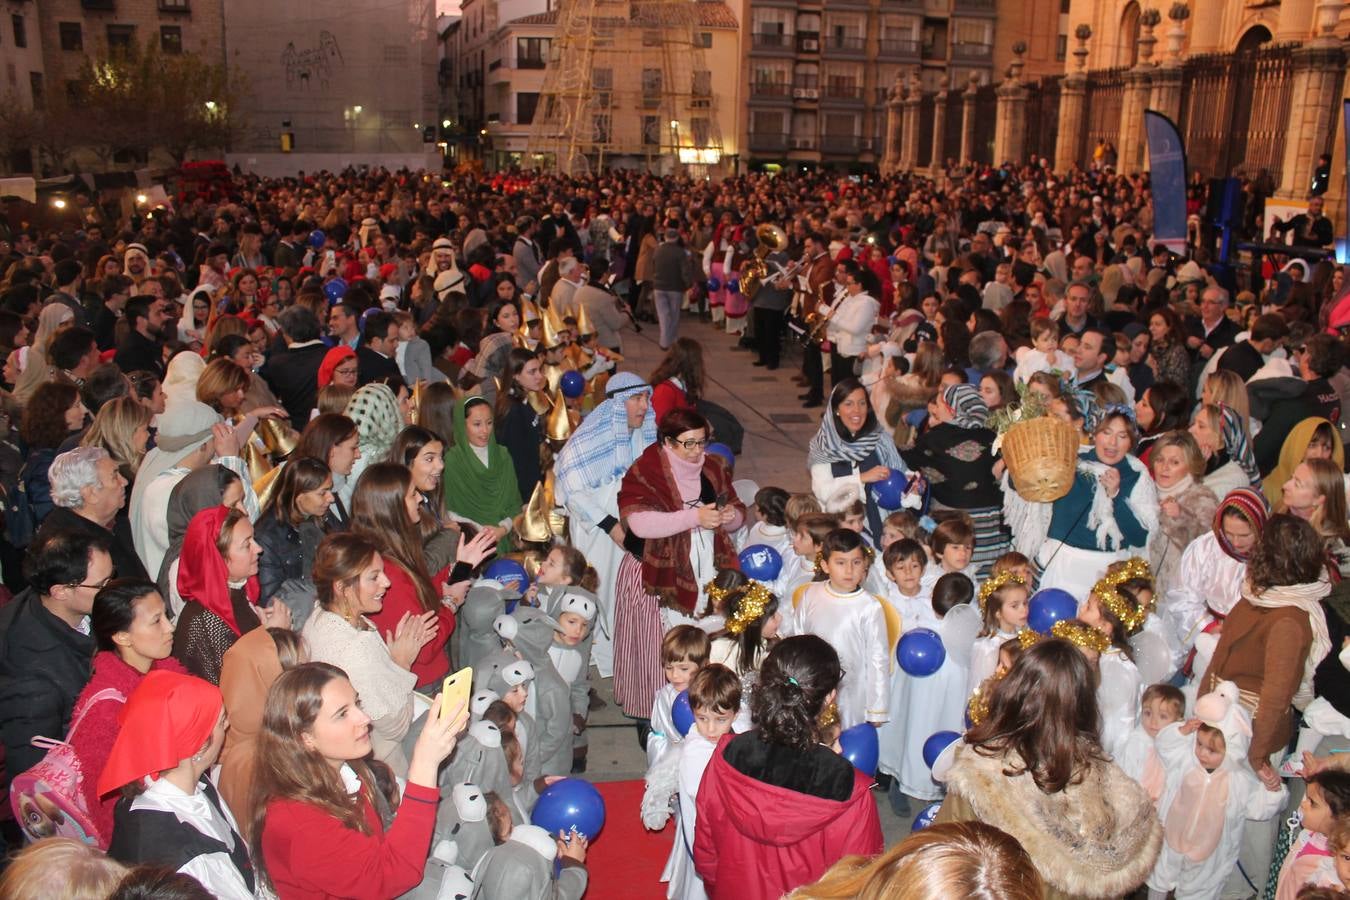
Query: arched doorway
[1252, 39]
[1127, 49]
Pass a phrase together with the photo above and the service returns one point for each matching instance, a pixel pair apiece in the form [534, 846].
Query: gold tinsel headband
[1081, 635]
[755, 599]
[1108, 593]
[1002, 579]
[716, 595]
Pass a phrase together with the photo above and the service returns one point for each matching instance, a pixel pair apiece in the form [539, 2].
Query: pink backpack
[47, 799]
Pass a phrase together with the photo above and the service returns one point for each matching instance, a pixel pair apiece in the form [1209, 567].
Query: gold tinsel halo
[1081, 635]
[1108, 593]
[755, 600]
[1002, 579]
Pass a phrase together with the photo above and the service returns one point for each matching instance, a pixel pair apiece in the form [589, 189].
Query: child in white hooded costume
[1210, 792]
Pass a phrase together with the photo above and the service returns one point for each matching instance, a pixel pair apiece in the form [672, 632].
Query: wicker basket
[1042, 457]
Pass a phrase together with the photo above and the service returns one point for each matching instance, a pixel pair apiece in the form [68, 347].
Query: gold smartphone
[455, 691]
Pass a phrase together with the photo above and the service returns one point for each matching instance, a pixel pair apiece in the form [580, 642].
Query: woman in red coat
[135, 637]
[777, 806]
[328, 823]
[678, 380]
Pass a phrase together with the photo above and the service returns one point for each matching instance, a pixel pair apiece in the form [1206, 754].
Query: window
[600, 129]
[702, 83]
[174, 6]
[532, 53]
[651, 87]
[602, 79]
[701, 131]
[72, 36]
[766, 122]
[651, 131]
[526, 104]
[171, 39]
[703, 39]
[39, 90]
[121, 37]
[20, 31]
[1061, 47]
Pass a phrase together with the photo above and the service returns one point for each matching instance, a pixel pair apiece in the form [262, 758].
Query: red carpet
[625, 862]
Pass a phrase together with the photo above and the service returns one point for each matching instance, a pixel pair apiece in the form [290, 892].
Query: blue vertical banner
[1167, 175]
[1342, 244]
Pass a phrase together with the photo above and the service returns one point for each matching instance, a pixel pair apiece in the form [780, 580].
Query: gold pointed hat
[528, 311]
[266, 486]
[539, 402]
[559, 425]
[532, 525]
[583, 321]
[553, 328]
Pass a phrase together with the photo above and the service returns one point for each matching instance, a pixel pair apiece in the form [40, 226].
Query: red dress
[757, 841]
[312, 856]
[432, 663]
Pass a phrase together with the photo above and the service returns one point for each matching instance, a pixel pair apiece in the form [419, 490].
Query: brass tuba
[771, 239]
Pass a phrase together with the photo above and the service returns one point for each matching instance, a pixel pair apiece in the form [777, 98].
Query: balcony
[805, 142]
[771, 43]
[768, 142]
[836, 45]
[933, 51]
[175, 6]
[843, 143]
[531, 62]
[898, 49]
[808, 42]
[845, 94]
[977, 7]
[771, 92]
[98, 5]
[973, 53]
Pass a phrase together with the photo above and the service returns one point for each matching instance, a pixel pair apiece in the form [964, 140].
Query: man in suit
[290, 250]
[1213, 330]
[293, 373]
[379, 343]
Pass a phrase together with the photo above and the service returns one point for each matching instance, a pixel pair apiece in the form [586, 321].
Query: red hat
[202, 575]
[331, 360]
[479, 272]
[387, 270]
[167, 718]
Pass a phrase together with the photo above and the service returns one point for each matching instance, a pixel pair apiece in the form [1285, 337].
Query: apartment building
[820, 73]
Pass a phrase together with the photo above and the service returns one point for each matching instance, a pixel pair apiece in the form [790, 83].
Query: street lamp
[445, 123]
[357, 109]
[141, 198]
[210, 106]
[59, 203]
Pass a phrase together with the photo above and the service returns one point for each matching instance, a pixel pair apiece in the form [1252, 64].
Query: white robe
[984, 657]
[855, 625]
[1118, 693]
[1207, 579]
[604, 556]
[664, 733]
[695, 754]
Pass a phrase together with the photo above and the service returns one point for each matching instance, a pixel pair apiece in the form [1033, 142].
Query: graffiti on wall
[312, 67]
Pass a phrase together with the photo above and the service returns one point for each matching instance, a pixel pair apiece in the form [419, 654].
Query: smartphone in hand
[455, 691]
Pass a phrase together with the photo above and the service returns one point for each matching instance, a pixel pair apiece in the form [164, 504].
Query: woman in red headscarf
[173, 727]
[218, 580]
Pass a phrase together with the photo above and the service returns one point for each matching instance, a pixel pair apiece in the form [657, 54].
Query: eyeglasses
[346, 370]
[696, 444]
[93, 587]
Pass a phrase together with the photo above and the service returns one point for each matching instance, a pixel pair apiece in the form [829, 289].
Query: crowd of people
[270, 456]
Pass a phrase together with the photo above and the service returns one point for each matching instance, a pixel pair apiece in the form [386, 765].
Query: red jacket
[432, 663]
[312, 856]
[756, 841]
[667, 396]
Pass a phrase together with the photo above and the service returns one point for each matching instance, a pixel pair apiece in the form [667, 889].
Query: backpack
[20, 523]
[47, 799]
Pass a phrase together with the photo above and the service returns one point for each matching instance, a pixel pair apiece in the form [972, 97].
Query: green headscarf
[483, 495]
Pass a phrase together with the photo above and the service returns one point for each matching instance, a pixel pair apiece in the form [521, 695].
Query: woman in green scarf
[479, 478]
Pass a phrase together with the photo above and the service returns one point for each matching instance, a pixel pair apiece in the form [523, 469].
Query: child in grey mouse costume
[530, 632]
[478, 759]
[522, 869]
[485, 601]
[574, 609]
[509, 676]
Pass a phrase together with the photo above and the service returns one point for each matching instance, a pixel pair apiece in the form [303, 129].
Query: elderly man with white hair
[89, 492]
[562, 300]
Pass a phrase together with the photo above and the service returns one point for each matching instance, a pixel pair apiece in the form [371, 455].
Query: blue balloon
[920, 652]
[317, 239]
[681, 713]
[510, 573]
[570, 804]
[714, 285]
[936, 743]
[890, 260]
[926, 817]
[761, 562]
[573, 384]
[890, 490]
[722, 450]
[734, 285]
[1048, 606]
[861, 747]
[335, 290]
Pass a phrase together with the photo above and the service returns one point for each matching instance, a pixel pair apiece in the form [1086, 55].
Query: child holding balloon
[684, 650]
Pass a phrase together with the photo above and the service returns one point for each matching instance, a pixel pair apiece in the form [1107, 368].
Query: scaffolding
[626, 85]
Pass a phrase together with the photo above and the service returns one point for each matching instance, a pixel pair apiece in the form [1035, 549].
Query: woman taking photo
[480, 478]
[320, 805]
[1222, 437]
[518, 426]
[290, 526]
[350, 580]
[1185, 506]
[333, 440]
[1108, 514]
[777, 806]
[955, 456]
[218, 580]
[679, 500]
[135, 637]
[850, 451]
[173, 727]
[1034, 768]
